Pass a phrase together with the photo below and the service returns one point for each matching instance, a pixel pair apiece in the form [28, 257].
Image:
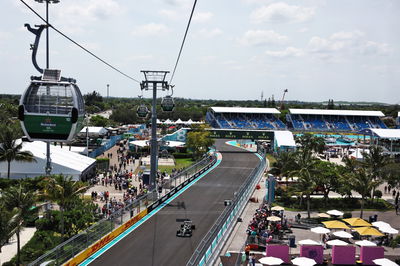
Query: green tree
[374, 162]
[10, 149]
[198, 141]
[99, 121]
[20, 202]
[327, 179]
[284, 164]
[362, 182]
[306, 172]
[7, 223]
[63, 190]
[310, 143]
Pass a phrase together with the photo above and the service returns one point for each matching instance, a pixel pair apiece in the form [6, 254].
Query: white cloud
[302, 30]
[150, 29]
[170, 14]
[207, 59]
[179, 3]
[371, 47]
[288, 52]
[89, 10]
[142, 57]
[202, 17]
[262, 37]
[346, 43]
[282, 13]
[208, 33]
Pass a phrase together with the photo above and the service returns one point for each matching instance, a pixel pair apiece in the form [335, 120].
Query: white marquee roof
[94, 130]
[385, 133]
[63, 162]
[245, 110]
[284, 138]
[335, 112]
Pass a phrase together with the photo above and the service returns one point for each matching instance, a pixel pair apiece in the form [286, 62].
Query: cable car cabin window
[81, 103]
[49, 98]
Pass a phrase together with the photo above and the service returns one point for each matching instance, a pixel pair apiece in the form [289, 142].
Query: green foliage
[99, 121]
[198, 141]
[125, 115]
[10, 149]
[347, 215]
[182, 155]
[41, 242]
[102, 164]
[377, 194]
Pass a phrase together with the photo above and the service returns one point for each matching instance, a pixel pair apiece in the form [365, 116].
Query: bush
[347, 215]
[181, 155]
[377, 194]
[36, 247]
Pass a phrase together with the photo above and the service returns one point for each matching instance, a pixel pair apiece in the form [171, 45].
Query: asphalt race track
[155, 241]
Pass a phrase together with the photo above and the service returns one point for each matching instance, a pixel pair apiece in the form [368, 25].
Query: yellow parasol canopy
[368, 231]
[357, 222]
[335, 225]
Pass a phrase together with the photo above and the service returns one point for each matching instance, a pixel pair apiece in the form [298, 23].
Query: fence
[144, 204]
[211, 245]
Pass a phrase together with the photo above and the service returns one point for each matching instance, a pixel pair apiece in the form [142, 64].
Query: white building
[63, 162]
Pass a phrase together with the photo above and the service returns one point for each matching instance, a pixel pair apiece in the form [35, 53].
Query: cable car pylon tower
[154, 80]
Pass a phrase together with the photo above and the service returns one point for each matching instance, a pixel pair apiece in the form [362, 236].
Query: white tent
[93, 131]
[284, 139]
[63, 162]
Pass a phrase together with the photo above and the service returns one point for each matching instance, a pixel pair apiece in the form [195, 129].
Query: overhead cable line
[77, 44]
[183, 42]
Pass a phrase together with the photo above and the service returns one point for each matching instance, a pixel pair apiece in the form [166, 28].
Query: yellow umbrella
[335, 225]
[368, 231]
[357, 222]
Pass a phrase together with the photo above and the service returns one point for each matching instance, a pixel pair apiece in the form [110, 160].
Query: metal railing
[73, 246]
[212, 244]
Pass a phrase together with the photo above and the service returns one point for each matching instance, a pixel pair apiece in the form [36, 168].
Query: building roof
[245, 110]
[63, 161]
[335, 112]
[383, 133]
[94, 130]
[284, 138]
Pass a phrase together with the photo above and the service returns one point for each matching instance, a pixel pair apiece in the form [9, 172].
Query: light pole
[48, 167]
[158, 82]
[108, 91]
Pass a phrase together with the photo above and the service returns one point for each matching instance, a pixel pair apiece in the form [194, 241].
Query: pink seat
[278, 251]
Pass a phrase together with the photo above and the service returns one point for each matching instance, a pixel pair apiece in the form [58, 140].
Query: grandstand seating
[334, 123]
[245, 121]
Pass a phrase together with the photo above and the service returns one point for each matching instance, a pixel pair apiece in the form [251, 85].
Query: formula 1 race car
[186, 229]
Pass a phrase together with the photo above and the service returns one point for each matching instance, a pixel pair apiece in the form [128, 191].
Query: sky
[235, 50]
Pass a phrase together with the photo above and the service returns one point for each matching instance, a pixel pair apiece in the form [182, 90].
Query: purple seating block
[368, 254]
[344, 255]
[278, 251]
[315, 252]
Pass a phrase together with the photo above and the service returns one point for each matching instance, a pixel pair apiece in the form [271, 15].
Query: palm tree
[363, 183]
[306, 172]
[7, 223]
[20, 202]
[375, 162]
[62, 190]
[10, 149]
[283, 165]
[310, 143]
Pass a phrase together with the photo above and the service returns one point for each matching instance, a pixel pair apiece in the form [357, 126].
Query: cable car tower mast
[154, 80]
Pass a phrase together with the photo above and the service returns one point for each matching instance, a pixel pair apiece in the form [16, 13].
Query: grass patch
[180, 163]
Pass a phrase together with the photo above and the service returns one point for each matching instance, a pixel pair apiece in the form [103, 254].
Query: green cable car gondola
[142, 111]
[51, 110]
[52, 107]
[167, 104]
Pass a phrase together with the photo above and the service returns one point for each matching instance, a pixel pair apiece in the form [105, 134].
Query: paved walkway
[9, 250]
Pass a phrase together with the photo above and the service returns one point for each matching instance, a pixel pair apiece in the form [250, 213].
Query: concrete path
[10, 250]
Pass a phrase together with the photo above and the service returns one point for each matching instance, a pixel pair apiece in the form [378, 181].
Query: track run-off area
[154, 242]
